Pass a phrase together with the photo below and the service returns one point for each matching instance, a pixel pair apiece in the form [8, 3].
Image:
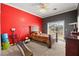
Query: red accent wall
[0, 18]
[12, 17]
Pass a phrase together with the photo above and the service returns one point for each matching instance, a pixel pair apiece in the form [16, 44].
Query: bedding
[41, 37]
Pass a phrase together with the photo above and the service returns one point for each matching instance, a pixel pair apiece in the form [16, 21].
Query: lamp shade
[13, 29]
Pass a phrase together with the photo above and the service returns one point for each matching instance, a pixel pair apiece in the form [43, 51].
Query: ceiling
[33, 8]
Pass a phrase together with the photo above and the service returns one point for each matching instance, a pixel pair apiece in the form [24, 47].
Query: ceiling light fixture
[43, 7]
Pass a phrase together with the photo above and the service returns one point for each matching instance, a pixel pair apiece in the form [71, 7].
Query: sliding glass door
[56, 29]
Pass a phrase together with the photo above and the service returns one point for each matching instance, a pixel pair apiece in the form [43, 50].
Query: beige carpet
[12, 51]
[58, 49]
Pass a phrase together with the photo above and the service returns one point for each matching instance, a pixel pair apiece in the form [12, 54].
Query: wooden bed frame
[41, 38]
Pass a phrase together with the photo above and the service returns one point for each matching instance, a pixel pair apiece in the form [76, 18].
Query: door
[56, 29]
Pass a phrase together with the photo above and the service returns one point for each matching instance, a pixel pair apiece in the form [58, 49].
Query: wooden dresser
[72, 46]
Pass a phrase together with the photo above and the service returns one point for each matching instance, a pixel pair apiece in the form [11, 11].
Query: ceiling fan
[43, 7]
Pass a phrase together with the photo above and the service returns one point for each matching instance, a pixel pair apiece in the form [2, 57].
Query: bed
[41, 37]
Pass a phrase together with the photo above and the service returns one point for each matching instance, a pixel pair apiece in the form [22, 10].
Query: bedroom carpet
[58, 49]
[38, 49]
